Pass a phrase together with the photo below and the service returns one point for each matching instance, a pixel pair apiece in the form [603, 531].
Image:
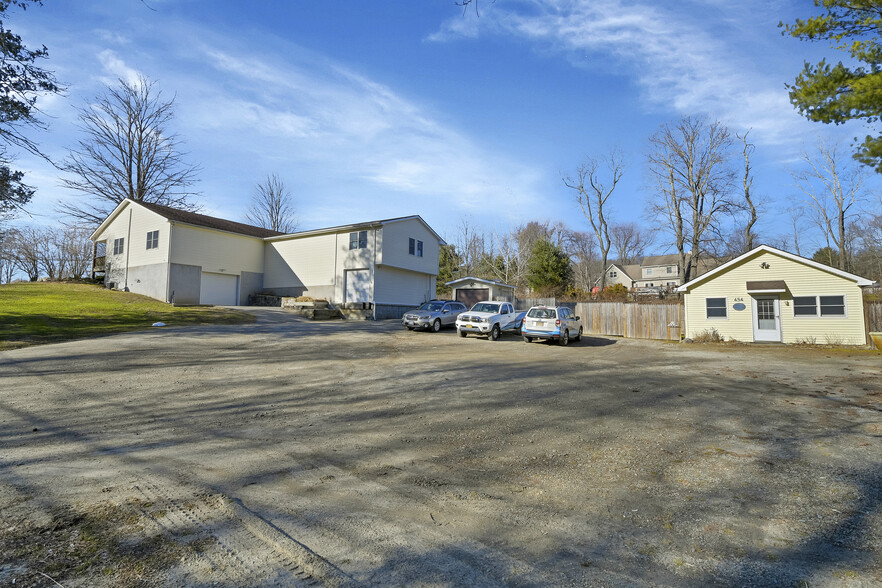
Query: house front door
[766, 318]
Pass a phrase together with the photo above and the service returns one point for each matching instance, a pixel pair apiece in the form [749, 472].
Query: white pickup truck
[489, 318]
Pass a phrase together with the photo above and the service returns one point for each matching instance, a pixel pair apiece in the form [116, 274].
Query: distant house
[771, 295]
[654, 272]
[470, 290]
[187, 258]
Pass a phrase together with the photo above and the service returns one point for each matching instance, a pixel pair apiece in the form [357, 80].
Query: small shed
[769, 295]
[470, 290]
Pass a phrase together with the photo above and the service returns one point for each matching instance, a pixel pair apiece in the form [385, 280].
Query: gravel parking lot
[293, 452]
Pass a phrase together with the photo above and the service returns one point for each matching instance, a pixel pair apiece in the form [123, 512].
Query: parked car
[490, 318]
[557, 323]
[433, 315]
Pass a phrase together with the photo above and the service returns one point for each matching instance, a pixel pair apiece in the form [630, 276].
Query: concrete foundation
[185, 282]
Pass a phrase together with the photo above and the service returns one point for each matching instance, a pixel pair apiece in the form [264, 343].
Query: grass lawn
[49, 312]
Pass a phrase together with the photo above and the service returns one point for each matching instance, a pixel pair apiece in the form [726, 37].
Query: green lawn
[48, 312]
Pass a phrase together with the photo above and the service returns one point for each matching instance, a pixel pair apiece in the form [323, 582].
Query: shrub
[304, 299]
[709, 336]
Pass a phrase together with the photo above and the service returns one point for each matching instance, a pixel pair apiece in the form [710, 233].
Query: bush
[616, 293]
[708, 336]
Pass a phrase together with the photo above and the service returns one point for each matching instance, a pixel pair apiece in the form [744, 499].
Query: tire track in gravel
[237, 547]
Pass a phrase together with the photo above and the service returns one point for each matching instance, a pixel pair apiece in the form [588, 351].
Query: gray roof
[202, 220]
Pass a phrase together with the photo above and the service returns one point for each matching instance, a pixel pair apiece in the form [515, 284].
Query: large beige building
[187, 258]
[774, 296]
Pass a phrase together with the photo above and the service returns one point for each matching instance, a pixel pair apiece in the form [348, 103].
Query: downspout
[169, 293]
[128, 249]
[374, 277]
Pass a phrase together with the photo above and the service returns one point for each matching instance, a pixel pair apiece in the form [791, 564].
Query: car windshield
[432, 306]
[541, 313]
[485, 307]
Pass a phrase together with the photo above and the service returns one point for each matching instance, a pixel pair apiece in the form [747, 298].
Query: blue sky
[371, 110]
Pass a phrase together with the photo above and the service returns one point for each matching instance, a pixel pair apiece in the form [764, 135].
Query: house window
[119, 245]
[670, 269]
[415, 247]
[411, 246]
[419, 248]
[152, 239]
[613, 274]
[649, 272]
[358, 240]
[832, 305]
[824, 306]
[805, 306]
[716, 307]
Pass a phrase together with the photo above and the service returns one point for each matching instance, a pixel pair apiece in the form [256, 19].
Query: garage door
[469, 296]
[357, 285]
[219, 289]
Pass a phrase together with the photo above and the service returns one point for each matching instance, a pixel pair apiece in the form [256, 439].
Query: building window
[824, 306]
[419, 248]
[670, 270]
[152, 239]
[832, 305]
[716, 307]
[358, 240]
[613, 274]
[119, 245]
[649, 272]
[415, 247]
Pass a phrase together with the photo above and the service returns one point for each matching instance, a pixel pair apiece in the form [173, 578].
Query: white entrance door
[358, 285]
[219, 289]
[766, 318]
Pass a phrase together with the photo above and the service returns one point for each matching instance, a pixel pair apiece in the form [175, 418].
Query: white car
[489, 318]
[556, 323]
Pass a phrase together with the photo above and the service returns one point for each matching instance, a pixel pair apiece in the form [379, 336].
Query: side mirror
[445, 311]
[578, 318]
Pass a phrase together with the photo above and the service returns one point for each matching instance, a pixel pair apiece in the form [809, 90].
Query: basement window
[119, 245]
[152, 239]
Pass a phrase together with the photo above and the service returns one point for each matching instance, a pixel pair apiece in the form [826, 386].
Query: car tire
[436, 325]
[528, 339]
[564, 339]
[494, 333]
[410, 328]
[579, 337]
[461, 333]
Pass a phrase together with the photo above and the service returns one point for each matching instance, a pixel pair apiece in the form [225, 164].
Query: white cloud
[116, 67]
[680, 66]
[322, 114]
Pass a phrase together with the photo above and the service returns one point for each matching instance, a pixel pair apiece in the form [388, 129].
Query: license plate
[540, 324]
[468, 326]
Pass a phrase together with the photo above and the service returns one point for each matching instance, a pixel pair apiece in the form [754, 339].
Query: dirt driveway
[289, 452]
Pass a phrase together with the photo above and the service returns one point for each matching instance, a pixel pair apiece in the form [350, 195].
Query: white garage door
[219, 289]
[358, 285]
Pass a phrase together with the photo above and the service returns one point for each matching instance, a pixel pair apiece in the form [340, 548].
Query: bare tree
[586, 266]
[832, 185]
[25, 256]
[690, 164]
[272, 206]
[747, 181]
[629, 241]
[128, 152]
[471, 245]
[592, 198]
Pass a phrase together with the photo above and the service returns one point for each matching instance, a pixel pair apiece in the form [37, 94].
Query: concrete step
[352, 314]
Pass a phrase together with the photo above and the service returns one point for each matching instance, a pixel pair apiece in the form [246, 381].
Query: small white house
[470, 290]
[771, 295]
[188, 258]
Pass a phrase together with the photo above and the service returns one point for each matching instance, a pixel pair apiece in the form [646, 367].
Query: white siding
[309, 262]
[216, 251]
[394, 239]
[396, 286]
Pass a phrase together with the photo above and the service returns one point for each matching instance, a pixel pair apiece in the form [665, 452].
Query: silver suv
[557, 323]
[433, 315]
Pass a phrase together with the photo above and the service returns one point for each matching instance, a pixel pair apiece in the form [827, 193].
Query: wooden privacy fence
[638, 321]
[873, 310]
